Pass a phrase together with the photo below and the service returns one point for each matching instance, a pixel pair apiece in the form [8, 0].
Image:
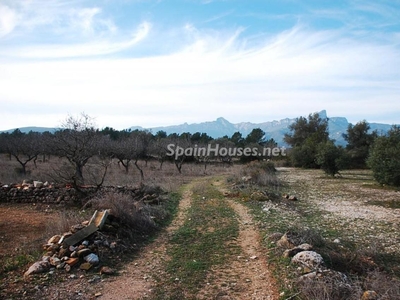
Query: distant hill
[273, 129]
[32, 128]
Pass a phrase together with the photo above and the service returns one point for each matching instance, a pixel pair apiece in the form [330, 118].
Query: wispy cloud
[59, 18]
[93, 48]
[296, 72]
[159, 75]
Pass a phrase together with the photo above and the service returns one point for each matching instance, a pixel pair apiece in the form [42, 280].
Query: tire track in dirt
[137, 279]
[248, 276]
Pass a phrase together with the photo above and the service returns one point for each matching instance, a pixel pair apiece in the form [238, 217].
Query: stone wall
[57, 195]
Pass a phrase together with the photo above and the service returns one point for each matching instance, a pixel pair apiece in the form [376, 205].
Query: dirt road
[244, 276]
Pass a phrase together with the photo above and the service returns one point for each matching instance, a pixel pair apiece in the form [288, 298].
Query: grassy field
[350, 220]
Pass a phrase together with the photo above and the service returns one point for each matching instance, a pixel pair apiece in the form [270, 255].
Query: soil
[247, 277]
[350, 202]
[23, 225]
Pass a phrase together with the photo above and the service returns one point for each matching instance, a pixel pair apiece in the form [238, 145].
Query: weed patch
[199, 244]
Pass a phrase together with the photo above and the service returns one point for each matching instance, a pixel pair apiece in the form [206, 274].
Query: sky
[158, 63]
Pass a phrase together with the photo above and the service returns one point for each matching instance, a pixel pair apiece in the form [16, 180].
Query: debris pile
[78, 248]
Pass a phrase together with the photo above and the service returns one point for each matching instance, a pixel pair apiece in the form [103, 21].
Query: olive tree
[306, 134]
[384, 158]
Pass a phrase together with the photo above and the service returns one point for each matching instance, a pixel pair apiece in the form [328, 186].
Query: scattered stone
[341, 280]
[54, 239]
[253, 257]
[285, 242]
[95, 278]
[98, 294]
[107, 270]
[369, 295]
[63, 252]
[292, 252]
[72, 261]
[92, 259]
[246, 178]
[310, 259]
[38, 267]
[275, 236]
[77, 227]
[85, 266]
[61, 266]
[292, 198]
[38, 184]
[84, 252]
[336, 241]
[55, 261]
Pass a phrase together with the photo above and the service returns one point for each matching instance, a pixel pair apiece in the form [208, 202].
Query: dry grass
[132, 215]
[64, 220]
[168, 177]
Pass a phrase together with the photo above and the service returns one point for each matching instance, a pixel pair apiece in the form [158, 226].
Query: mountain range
[273, 129]
[222, 127]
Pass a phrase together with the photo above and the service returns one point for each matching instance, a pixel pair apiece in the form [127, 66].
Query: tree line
[89, 151]
[311, 147]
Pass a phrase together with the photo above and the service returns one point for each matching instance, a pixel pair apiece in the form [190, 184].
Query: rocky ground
[363, 213]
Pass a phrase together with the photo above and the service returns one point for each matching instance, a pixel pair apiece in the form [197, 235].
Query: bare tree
[181, 143]
[77, 142]
[24, 147]
[97, 167]
[139, 142]
[159, 149]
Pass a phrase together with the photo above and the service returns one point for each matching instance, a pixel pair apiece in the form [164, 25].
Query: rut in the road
[248, 276]
[137, 279]
[245, 276]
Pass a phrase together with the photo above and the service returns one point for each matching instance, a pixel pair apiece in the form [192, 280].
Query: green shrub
[384, 158]
[330, 158]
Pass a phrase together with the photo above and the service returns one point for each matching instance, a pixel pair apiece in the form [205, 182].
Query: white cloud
[93, 48]
[8, 20]
[209, 74]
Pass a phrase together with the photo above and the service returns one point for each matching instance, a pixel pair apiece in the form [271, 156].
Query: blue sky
[157, 63]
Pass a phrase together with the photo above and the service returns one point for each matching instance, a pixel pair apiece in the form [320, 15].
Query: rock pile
[79, 248]
[312, 266]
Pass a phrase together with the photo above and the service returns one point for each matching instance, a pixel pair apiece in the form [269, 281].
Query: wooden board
[81, 235]
[99, 218]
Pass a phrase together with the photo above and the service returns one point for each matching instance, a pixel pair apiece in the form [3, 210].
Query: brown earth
[23, 225]
[349, 202]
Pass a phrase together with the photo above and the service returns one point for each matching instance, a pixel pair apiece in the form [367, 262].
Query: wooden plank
[99, 218]
[80, 235]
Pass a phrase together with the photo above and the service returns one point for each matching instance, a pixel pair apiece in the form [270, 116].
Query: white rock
[37, 184]
[305, 247]
[310, 259]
